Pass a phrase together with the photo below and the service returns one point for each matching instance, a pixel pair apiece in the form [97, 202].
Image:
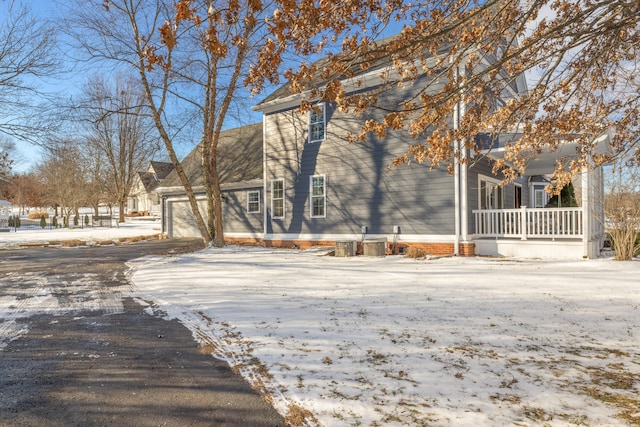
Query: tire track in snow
[21, 306]
[54, 296]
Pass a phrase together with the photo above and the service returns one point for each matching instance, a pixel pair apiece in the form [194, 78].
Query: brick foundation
[241, 241]
[466, 249]
[297, 244]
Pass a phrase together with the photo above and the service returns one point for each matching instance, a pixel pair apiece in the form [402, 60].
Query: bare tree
[622, 209]
[583, 57]
[98, 181]
[191, 60]
[26, 190]
[26, 55]
[121, 133]
[6, 149]
[64, 178]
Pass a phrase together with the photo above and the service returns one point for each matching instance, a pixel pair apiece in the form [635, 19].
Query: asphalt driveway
[77, 350]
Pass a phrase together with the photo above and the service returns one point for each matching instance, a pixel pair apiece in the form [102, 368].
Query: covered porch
[549, 232]
[538, 232]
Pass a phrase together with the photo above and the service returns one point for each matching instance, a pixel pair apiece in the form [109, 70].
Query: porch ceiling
[544, 163]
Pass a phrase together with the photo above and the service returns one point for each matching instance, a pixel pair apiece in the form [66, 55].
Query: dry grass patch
[416, 253]
[38, 215]
[72, 243]
[299, 416]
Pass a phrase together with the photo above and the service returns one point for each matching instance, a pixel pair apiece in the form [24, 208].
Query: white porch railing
[524, 223]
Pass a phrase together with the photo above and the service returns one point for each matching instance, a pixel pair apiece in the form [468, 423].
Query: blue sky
[28, 155]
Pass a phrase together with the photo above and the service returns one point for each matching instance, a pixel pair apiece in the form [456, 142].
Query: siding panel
[360, 189]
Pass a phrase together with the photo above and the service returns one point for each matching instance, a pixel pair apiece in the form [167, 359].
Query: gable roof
[357, 77]
[148, 180]
[239, 159]
[161, 169]
[320, 77]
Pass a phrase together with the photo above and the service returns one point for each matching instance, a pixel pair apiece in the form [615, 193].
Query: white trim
[284, 205]
[323, 107]
[243, 235]
[493, 181]
[249, 201]
[360, 82]
[183, 198]
[230, 186]
[546, 249]
[265, 183]
[324, 196]
[517, 185]
[545, 196]
[404, 238]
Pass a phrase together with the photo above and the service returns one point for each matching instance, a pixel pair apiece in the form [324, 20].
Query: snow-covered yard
[394, 341]
[133, 227]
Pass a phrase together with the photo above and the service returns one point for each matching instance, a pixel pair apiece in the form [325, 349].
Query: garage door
[180, 220]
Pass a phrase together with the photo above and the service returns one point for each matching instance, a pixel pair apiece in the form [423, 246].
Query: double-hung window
[253, 201]
[277, 198]
[318, 192]
[491, 194]
[540, 198]
[317, 123]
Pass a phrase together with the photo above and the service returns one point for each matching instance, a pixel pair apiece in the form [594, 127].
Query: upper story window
[491, 193]
[277, 198]
[317, 123]
[318, 185]
[253, 201]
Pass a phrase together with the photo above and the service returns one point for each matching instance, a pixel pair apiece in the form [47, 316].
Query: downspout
[586, 213]
[464, 202]
[163, 215]
[264, 178]
[456, 176]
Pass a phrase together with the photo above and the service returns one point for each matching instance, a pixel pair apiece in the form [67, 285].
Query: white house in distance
[142, 198]
[316, 188]
[5, 212]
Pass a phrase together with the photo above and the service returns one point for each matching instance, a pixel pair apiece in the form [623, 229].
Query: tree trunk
[121, 205]
[216, 220]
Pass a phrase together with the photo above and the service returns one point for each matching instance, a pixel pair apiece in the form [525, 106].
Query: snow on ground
[394, 341]
[18, 302]
[132, 227]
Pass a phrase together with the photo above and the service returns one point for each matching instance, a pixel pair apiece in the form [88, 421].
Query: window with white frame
[318, 191]
[253, 201]
[317, 123]
[540, 198]
[490, 193]
[277, 198]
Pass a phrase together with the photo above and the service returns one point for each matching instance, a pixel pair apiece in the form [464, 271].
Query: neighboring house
[142, 198]
[5, 213]
[240, 173]
[320, 189]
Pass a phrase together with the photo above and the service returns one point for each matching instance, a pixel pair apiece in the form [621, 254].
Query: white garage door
[180, 220]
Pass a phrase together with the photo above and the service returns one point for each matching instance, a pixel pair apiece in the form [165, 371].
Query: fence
[525, 223]
[53, 223]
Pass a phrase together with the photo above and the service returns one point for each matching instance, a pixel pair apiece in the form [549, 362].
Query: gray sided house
[142, 198]
[322, 189]
[295, 181]
[240, 170]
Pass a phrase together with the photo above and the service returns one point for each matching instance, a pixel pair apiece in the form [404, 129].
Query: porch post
[586, 211]
[523, 222]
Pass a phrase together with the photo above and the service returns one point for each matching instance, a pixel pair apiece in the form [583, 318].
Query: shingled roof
[378, 61]
[383, 58]
[161, 169]
[239, 158]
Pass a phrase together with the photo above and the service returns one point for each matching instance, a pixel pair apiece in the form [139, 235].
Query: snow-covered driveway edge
[394, 341]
